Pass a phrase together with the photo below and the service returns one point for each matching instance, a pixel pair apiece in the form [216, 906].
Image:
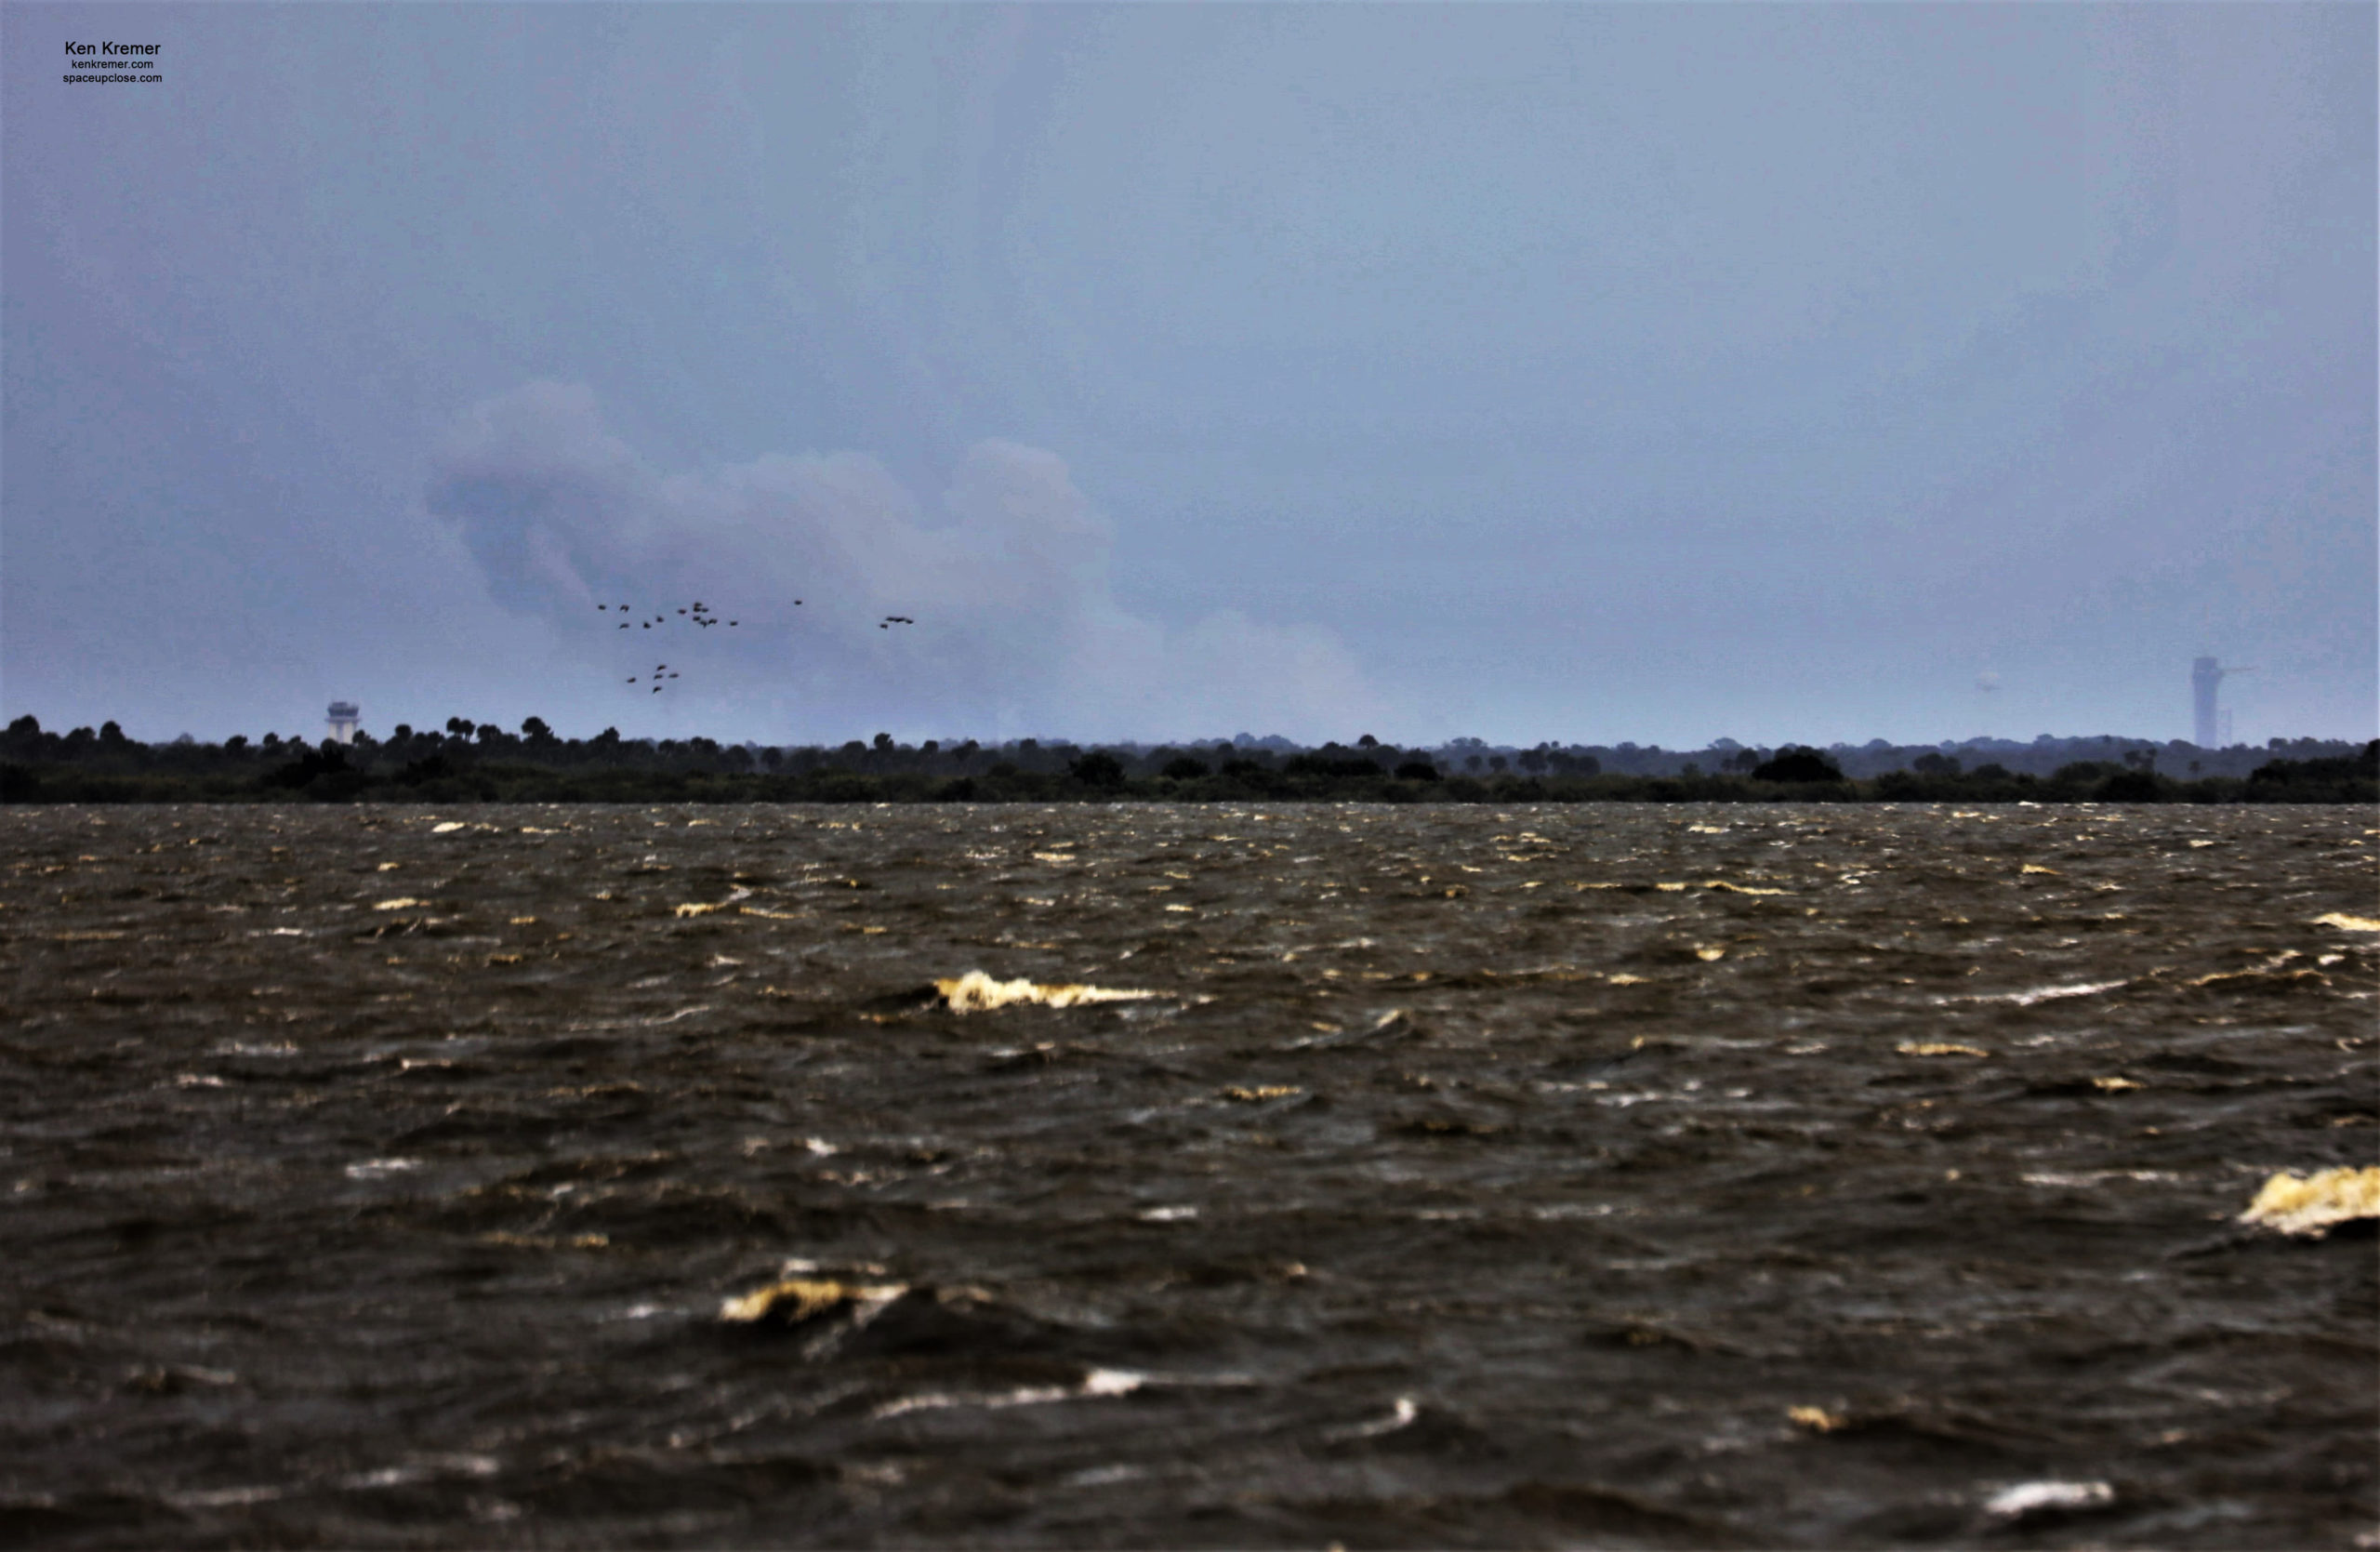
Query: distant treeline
[469, 761]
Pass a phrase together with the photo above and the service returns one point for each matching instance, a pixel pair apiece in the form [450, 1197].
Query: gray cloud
[1018, 631]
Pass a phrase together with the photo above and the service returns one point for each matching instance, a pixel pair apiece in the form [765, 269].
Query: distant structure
[342, 718]
[2213, 730]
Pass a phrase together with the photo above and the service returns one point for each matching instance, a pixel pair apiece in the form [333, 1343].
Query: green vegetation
[472, 762]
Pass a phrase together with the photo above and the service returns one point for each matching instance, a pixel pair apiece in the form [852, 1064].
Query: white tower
[342, 718]
[2212, 729]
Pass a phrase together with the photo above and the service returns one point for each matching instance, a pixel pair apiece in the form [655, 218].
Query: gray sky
[1586, 373]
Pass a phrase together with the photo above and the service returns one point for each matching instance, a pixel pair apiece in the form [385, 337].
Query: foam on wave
[2315, 1203]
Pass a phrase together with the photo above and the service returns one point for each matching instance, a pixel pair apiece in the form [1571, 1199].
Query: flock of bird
[696, 613]
[699, 613]
[657, 677]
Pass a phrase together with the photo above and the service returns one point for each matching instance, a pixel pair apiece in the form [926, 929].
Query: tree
[1367, 742]
[1798, 762]
[1099, 770]
[535, 731]
[460, 728]
[1534, 760]
[1183, 769]
[2135, 785]
[309, 764]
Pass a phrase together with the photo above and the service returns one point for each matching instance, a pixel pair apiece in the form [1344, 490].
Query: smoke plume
[1017, 631]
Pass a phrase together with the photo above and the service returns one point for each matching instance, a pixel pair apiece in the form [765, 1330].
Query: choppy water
[1624, 1176]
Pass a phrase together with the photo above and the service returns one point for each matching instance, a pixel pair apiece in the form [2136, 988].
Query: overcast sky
[1585, 373]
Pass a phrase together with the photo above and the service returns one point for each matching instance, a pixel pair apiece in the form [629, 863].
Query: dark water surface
[1480, 1176]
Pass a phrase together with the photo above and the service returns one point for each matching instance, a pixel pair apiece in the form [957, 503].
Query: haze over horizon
[1585, 373]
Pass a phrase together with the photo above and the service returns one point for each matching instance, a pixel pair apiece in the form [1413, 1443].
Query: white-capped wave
[1400, 1415]
[374, 1169]
[1097, 1384]
[2026, 1497]
[2032, 995]
[976, 993]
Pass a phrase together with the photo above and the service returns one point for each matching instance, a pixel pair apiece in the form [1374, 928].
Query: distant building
[2204, 677]
[2213, 726]
[343, 714]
